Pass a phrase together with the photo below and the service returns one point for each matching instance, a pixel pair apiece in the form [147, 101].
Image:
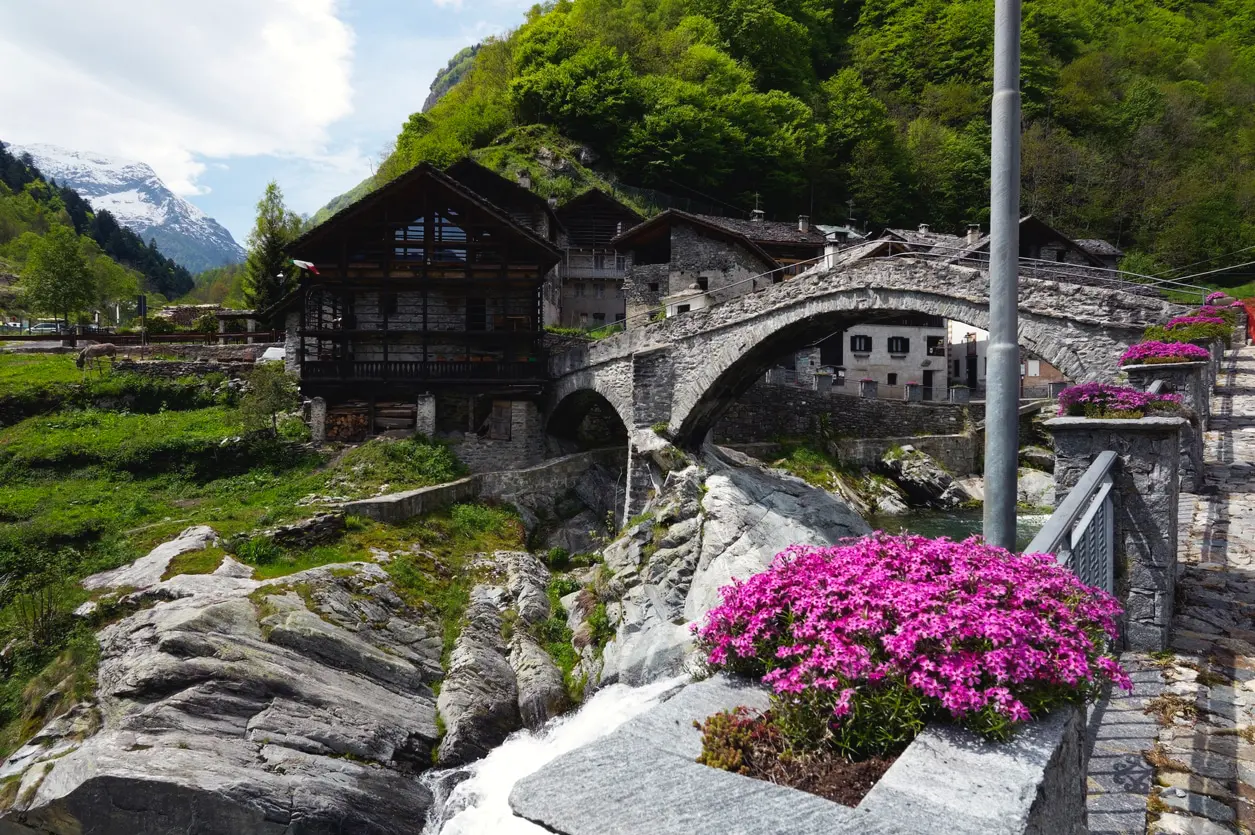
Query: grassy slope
[70, 506]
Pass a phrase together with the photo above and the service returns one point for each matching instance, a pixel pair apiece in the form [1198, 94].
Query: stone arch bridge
[685, 371]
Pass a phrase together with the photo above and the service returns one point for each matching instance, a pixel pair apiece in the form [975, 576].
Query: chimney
[757, 215]
[973, 233]
[553, 202]
[923, 228]
[525, 180]
[803, 223]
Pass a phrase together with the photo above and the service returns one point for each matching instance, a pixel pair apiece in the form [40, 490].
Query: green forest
[37, 217]
[1139, 115]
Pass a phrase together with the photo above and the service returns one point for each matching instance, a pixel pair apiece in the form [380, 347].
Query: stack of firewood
[394, 416]
[348, 422]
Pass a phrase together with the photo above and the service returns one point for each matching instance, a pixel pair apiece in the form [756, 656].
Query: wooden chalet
[424, 286]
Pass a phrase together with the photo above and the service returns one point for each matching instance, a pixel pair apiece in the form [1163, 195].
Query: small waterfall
[474, 799]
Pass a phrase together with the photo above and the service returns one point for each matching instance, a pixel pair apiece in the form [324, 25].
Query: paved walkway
[1176, 755]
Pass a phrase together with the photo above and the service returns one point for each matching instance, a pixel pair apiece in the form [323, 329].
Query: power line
[1221, 270]
[1204, 261]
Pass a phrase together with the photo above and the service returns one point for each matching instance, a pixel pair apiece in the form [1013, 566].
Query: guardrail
[1081, 532]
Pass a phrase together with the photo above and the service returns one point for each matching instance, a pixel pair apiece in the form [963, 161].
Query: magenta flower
[1186, 321]
[1102, 400]
[1156, 352]
[1212, 298]
[977, 632]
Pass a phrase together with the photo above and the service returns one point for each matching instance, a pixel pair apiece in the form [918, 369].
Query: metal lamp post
[1003, 354]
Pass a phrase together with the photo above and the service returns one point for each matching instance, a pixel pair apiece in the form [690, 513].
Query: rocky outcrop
[925, 483]
[316, 530]
[1035, 488]
[479, 698]
[1038, 458]
[723, 517]
[495, 686]
[242, 707]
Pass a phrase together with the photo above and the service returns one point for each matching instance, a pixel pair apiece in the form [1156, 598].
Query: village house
[423, 312]
[680, 262]
[592, 271]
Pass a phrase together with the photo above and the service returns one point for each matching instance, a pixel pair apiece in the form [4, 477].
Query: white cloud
[171, 82]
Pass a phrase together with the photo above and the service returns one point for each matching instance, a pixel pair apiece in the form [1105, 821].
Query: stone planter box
[643, 778]
[1216, 347]
[867, 388]
[960, 394]
[913, 393]
[1145, 498]
[1188, 379]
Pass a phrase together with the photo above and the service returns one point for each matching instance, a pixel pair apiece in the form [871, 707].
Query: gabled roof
[767, 231]
[1029, 221]
[480, 179]
[702, 221]
[419, 172]
[1096, 246]
[937, 243]
[597, 195]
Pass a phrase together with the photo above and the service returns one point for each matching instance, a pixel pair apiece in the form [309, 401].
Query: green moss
[204, 561]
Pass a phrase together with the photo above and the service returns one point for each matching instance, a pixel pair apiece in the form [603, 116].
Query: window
[1060, 255]
[599, 261]
[388, 303]
[703, 283]
[958, 368]
[899, 345]
[861, 344]
[619, 317]
[599, 318]
[682, 308]
[1034, 368]
[893, 379]
[936, 346]
[579, 289]
[620, 262]
[599, 290]
[583, 320]
[476, 315]
[653, 286]
[499, 422]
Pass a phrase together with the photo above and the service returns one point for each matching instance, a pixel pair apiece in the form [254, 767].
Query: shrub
[470, 520]
[271, 390]
[1105, 400]
[558, 559]
[1145, 353]
[1190, 332]
[863, 643]
[258, 551]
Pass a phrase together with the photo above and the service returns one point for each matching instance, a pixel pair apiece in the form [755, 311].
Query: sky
[221, 97]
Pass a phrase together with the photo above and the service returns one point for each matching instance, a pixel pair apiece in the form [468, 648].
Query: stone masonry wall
[767, 412]
[173, 369]
[525, 448]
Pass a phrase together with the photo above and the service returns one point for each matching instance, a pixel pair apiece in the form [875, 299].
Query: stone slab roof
[1097, 246]
[767, 231]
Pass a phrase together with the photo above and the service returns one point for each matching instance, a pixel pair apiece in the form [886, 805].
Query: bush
[1190, 332]
[863, 643]
[1146, 353]
[258, 551]
[471, 520]
[271, 390]
[1105, 400]
[558, 559]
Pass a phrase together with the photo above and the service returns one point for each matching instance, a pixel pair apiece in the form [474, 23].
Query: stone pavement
[1176, 756]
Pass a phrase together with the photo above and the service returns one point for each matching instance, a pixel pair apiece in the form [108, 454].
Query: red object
[1249, 306]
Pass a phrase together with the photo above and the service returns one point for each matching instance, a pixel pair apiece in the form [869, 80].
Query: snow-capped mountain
[136, 197]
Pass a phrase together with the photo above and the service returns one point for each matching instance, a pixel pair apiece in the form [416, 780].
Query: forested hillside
[1139, 116]
[30, 206]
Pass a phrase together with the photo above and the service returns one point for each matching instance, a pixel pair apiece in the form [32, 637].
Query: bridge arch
[586, 418]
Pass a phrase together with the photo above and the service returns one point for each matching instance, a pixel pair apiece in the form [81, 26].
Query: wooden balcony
[407, 370]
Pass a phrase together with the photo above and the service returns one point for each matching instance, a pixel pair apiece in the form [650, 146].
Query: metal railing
[1081, 532]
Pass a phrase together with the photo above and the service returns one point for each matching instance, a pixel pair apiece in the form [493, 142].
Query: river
[956, 524]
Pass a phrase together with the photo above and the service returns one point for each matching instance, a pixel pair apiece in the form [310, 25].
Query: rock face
[925, 483]
[1035, 488]
[725, 517]
[234, 706]
[1038, 458]
[494, 687]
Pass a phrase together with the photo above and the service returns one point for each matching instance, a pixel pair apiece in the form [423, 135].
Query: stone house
[425, 314]
[674, 253]
[592, 271]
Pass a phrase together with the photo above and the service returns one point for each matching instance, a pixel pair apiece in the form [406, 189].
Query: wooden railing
[209, 338]
[418, 370]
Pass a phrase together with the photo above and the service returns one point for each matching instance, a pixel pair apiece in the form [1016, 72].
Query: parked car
[47, 328]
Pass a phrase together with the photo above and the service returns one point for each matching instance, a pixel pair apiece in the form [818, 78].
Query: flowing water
[474, 799]
[956, 524]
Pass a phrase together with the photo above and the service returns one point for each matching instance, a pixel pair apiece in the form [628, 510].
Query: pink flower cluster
[1163, 352]
[1212, 298]
[1210, 310]
[970, 626]
[1186, 321]
[1101, 399]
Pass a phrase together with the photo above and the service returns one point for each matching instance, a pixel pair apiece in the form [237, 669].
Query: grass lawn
[25, 370]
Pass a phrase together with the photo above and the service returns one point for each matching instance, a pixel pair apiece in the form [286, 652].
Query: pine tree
[56, 279]
[268, 276]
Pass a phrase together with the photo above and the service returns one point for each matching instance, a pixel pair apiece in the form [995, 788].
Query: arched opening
[901, 355]
[585, 420]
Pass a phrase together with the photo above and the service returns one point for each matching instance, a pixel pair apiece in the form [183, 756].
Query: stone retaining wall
[768, 412]
[173, 369]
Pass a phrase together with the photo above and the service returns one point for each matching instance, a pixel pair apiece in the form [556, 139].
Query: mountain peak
[137, 198]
